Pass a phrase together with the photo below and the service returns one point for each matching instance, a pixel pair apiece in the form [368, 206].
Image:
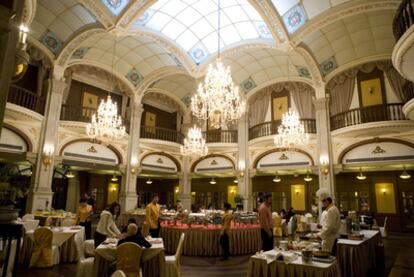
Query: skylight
[115, 6]
[193, 24]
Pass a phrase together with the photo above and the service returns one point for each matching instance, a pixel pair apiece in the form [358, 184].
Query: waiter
[331, 221]
[152, 216]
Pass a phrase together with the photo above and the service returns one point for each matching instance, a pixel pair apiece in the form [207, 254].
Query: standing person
[83, 217]
[266, 223]
[152, 216]
[225, 231]
[331, 222]
[106, 225]
[92, 201]
[179, 206]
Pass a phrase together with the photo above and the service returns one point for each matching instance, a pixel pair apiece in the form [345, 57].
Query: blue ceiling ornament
[248, 84]
[51, 41]
[134, 77]
[294, 18]
[328, 65]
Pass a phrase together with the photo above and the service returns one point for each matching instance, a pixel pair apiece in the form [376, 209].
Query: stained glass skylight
[115, 6]
[193, 24]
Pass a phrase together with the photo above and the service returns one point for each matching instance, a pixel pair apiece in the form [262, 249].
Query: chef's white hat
[323, 194]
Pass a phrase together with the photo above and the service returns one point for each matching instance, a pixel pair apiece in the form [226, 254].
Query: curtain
[304, 102]
[341, 95]
[259, 108]
[399, 85]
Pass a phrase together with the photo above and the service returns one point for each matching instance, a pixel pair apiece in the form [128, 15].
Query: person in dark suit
[132, 235]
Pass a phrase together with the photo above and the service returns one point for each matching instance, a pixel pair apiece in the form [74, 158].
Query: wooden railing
[220, 136]
[76, 113]
[270, 128]
[26, 98]
[366, 115]
[161, 134]
[403, 18]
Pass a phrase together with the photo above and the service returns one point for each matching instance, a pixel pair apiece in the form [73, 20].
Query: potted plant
[7, 197]
[238, 199]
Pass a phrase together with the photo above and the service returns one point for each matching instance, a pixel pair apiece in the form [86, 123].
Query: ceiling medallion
[194, 144]
[218, 99]
[291, 132]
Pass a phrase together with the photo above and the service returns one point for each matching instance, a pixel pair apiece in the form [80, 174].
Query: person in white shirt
[106, 225]
[331, 221]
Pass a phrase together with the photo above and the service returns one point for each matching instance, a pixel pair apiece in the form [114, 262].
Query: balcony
[27, 99]
[403, 19]
[161, 134]
[270, 128]
[219, 136]
[76, 113]
[367, 114]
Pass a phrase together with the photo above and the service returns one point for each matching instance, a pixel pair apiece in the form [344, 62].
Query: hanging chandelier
[194, 144]
[217, 99]
[291, 131]
[106, 125]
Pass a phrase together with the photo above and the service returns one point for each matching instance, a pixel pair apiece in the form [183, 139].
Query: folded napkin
[289, 257]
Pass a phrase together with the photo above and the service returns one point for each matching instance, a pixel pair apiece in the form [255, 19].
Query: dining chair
[277, 229]
[28, 217]
[67, 222]
[172, 263]
[383, 230]
[118, 273]
[129, 259]
[89, 248]
[85, 265]
[44, 253]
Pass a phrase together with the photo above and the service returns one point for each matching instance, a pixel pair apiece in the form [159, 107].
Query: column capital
[321, 103]
[58, 86]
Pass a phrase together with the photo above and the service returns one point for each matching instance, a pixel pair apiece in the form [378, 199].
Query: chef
[330, 222]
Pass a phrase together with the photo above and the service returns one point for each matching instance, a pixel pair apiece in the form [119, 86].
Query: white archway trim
[281, 158]
[379, 152]
[214, 164]
[171, 95]
[100, 11]
[89, 152]
[37, 44]
[29, 11]
[310, 60]
[158, 162]
[134, 11]
[12, 142]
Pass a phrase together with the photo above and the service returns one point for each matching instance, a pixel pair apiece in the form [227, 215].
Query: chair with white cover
[85, 265]
[128, 259]
[383, 230]
[89, 248]
[67, 222]
[28, 217]
[172, 263]
[12, 257]
[118, 273]
[44, 253]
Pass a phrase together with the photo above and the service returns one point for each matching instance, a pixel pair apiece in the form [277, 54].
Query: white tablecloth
[60, 236]
[105, 254]
[368, 234]
[30, 224]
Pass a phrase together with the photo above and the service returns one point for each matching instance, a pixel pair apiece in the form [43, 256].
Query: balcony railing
[76, 113]
[161, 134]
[26, 98]
[366, 115]
[220, 136]
[270, 128]
[403, 19]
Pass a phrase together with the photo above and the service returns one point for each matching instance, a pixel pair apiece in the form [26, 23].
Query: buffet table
[356, 258]
[201, 240]
[261, 266]
[69, 240]
[152, 260]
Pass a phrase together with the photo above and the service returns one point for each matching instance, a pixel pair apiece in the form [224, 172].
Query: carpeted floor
[234, 267]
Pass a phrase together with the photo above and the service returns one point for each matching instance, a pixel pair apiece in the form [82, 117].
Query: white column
[184, 193]
[128, 194]
[41, 188]
[73, 195]
[245, 185]
[324, 144]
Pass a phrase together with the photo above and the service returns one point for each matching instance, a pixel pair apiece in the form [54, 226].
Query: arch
[21, 134]
[168, 94]
[258, 158]
[160, 153]
[194, 165]
[110, 147]
[369, 141]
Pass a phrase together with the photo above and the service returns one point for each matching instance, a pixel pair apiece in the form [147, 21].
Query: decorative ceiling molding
[401, 50]
[29, 11]
[77, 40]
[166, 98]
[339, 13]
[311, 63]
[38, 54]
[101, 13]
[134, 12]
[41, 50]
[272, 19]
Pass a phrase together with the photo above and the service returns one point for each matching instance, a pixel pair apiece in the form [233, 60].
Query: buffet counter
[201, 240]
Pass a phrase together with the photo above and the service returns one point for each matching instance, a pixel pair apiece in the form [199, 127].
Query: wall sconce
[113, 188]
[236, 181]
[47, 156]
[21, 59]
[23, 36]
[297, 191]
[70, 175]
[384, 191]
[324, 164]
[232, 191]
[242, 167]
[134, 165]
[356, 194]
[176, 190]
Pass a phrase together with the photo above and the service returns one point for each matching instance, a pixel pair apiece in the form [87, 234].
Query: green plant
[238, 199]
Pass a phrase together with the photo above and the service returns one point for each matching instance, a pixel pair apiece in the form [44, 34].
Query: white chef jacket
[331, 222]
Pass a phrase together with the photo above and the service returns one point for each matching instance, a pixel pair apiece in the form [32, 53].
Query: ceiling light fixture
[405, 175]
[361, 175]
[70, 175]
[212, 181]
[106, 125]
[277, 179]
[149, 182]
[291, 132]
[218, 99]
[308, 178]
[236, 181]
[194, 144]
[114, 178]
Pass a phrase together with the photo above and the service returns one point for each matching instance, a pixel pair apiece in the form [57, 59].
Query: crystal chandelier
[291, 131]
[194, 144]
[218, 99]
[106, 125]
